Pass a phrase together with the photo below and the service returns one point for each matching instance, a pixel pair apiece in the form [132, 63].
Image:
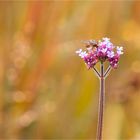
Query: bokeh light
[46, 91]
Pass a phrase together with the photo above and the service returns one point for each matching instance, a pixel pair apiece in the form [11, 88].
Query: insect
[90, 44]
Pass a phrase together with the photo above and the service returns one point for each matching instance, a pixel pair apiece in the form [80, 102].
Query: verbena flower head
[102, 50]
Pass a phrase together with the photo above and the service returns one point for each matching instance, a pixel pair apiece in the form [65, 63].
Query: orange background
[45, 89]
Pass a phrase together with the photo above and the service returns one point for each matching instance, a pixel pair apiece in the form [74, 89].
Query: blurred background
[46, 92]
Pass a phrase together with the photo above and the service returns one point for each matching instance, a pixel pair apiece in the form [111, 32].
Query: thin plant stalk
[101, 103]
[107, 71]
[101, 75]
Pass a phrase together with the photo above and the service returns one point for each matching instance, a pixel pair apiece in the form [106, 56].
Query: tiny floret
[79, 51]
[102, 50]
[83, 54]
[119, 50]
[106, 39]
[110, 54]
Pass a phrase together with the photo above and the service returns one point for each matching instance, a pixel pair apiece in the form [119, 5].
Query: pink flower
[102, 51]
[81, 53]
[110, 54]
[90, 60]
[114, 61]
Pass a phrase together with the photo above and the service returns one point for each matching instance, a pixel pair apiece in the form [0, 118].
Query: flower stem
[107, 71]
[96, 72]
[101, 104]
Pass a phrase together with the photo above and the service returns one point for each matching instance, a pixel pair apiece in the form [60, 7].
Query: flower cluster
[101, 50]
